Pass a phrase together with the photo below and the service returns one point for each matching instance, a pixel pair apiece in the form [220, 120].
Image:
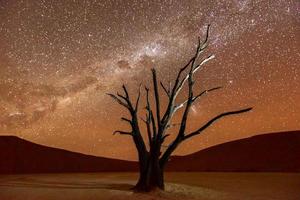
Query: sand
[116, 186]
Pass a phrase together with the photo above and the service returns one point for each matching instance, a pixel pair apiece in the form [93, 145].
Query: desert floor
[202, 186]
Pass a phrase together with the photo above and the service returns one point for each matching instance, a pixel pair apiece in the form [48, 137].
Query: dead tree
[151, 160]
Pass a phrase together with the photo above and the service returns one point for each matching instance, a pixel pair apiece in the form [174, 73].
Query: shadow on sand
[37, 183]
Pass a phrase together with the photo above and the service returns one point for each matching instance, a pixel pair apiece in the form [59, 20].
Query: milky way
[59, 58]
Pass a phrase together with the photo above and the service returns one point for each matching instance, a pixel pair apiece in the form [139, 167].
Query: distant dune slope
[21, 156]
[268, 152]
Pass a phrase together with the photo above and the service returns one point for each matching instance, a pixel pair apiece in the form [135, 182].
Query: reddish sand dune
[268, 152]
[21, 156]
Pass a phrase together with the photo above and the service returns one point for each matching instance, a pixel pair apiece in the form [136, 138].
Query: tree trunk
[151, 176]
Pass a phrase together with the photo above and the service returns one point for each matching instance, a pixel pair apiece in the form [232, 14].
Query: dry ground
[116, 186]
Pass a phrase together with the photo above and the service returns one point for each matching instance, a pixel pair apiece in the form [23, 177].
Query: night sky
[59, 58]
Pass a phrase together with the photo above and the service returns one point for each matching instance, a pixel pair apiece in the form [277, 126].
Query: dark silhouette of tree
[151, 160]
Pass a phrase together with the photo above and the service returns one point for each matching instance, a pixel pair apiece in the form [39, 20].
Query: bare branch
[164, 137]
[168, 114]
[122, 97]
[213, 120]
[125, 90]
[210, 57]
[193, 71]
[205, 92]
[177, 88]
[205, 43]
[177, 107]
[153, 125]
[123, 133]
[149, 133]
[179, 83]
[127, 98]
[165, 89]
[156, 93]
[145, 121]
[207, 33]
[138, 99]
[135, 133]
[150, 118]
[118, 100]
[126, 120]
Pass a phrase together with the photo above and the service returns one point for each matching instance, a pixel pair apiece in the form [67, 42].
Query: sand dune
[274, 152]
[268, 152]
